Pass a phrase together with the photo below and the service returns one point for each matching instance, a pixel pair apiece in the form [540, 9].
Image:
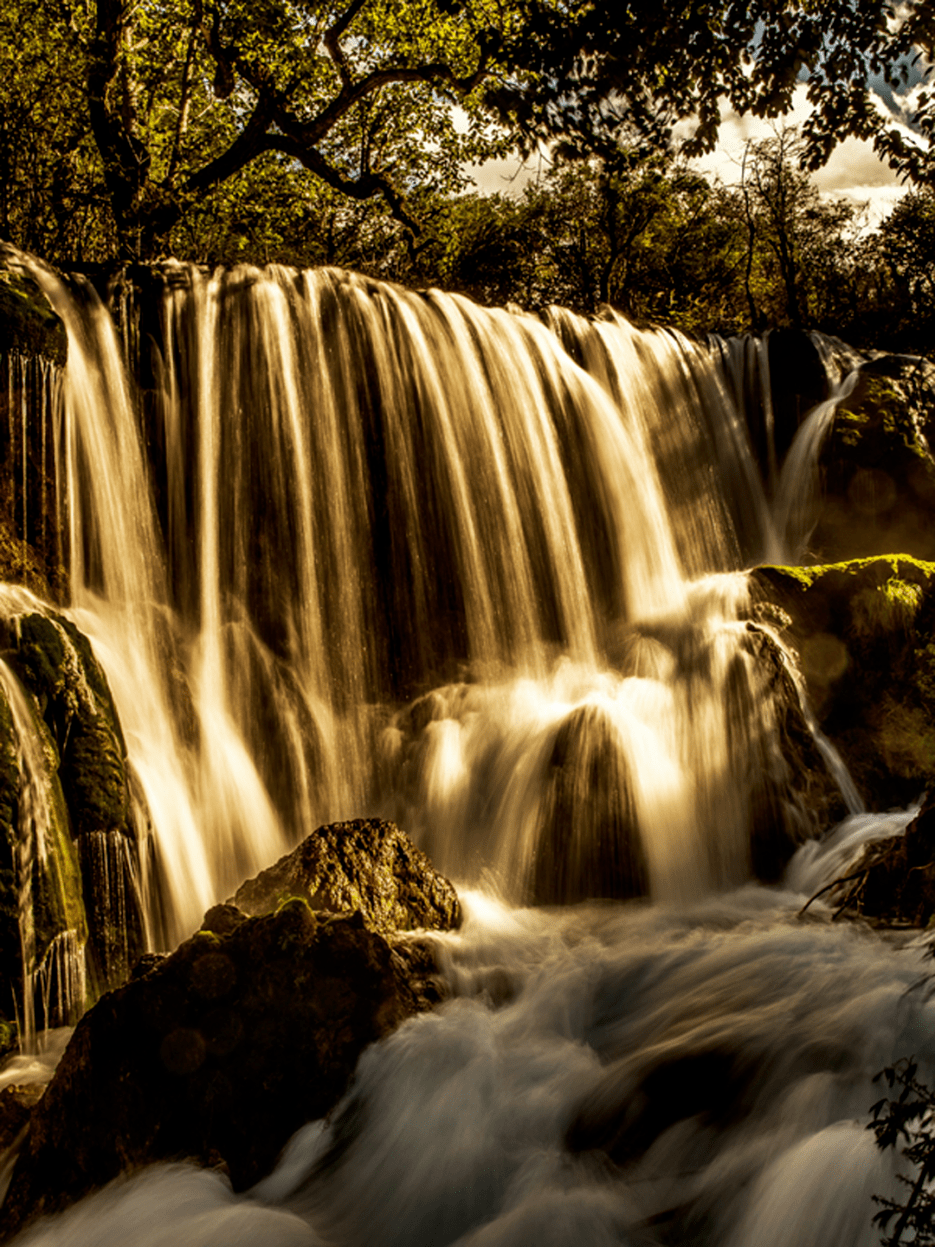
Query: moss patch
[875, 617]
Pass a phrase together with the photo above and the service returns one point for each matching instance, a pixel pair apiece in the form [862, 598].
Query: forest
[313, 134]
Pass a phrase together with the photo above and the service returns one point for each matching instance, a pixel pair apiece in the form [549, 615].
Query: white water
[355, 495]
[723, 1051]
[351, 494]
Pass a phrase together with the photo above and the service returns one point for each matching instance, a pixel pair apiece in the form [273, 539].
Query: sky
[853, 172]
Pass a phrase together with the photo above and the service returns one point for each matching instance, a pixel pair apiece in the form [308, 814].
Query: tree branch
[333, 35]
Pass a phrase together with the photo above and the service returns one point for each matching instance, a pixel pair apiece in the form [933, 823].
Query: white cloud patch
[854, 171]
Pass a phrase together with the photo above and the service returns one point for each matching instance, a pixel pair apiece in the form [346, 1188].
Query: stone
[16, 1106]
[892, 882]
[367, 865]
[56, 665]
[218, 1053]
[877, 465]
[863, 630]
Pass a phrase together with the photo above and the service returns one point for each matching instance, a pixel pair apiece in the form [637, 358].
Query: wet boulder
[864, 631]
[43, 926]
[68, 848]
[588, 842]
[877, 466]
[55, 664]
[369, 866]
[16, 1106]
[892, 882]
[218, 1053]
[791, 794]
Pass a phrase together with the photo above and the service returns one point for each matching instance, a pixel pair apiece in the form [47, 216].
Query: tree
[589, 71]
[796, 242]
[182, 98]
[51, 182]
[391, 99]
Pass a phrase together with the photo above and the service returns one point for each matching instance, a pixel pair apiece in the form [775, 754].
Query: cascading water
[388, 552]
[352, 494]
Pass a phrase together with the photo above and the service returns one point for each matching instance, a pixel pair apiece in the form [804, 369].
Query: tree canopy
[153, 106]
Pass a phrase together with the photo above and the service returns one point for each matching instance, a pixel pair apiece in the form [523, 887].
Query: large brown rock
[218, 1053]
[367, 865]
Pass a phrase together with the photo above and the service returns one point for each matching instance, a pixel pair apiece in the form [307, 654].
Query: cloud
[854, 171]
[506, 177]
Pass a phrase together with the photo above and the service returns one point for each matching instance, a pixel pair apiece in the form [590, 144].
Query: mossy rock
[369, 866]
[27, 323]
[21, 564]
[877, 465]
[864, 633]
[56, 665]
[34, 834]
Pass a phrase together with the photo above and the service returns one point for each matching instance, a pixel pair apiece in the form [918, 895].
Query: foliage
[909, 1121]
[52, 197]
[598, 69]
[180, 99]
[148, 126]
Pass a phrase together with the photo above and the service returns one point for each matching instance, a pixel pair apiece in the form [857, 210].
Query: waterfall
[344, 549]
[356, 549]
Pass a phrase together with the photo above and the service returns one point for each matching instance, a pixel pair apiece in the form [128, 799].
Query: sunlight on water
[354, 493]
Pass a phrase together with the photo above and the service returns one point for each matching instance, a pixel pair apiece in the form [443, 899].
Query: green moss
[883, 608]
[297, 903]
[27, 323]
[907, 739]
[901, 566]
[848, 423]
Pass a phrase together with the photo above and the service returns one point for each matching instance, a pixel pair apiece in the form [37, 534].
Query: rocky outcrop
[67, 842]
[27, 323]
[367, 866]
[892, 882]
[877, 466]
[864, 631]
[16, 1106]
[218, 1053]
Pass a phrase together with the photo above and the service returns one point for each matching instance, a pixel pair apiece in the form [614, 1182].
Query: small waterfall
[50, 912]
[798, 497]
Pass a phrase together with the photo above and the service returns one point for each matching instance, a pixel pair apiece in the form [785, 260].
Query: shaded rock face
[863, 630]
[64, 786]
[588, 841]
[793, 796]
[367, 865]
[877, 465]
[892, 881]
[220, 1052]
[798, 382]
[16, 1106]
